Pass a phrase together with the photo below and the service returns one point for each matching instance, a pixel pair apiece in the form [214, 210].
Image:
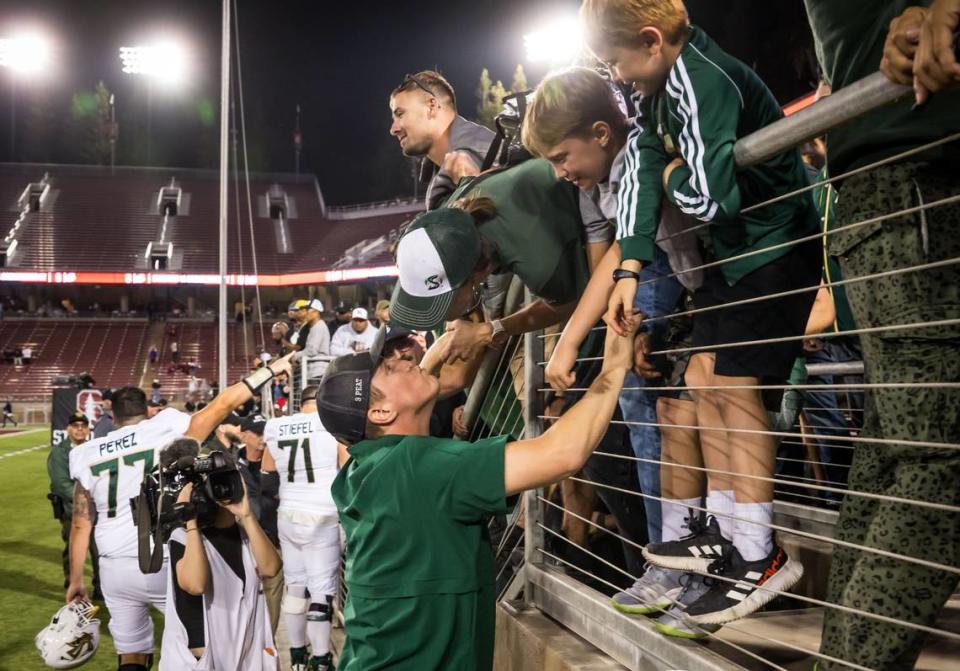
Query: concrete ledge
[527, 640]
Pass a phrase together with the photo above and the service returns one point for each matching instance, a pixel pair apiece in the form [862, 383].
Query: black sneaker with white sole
[695, 551]
[739, 593]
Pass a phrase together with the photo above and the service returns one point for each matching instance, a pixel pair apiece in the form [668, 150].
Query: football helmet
[71, 638]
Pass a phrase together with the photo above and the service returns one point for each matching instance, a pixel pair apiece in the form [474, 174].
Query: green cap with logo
[436, 256]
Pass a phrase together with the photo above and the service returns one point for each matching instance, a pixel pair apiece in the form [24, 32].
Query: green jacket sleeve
[708, 103]
[638, 197]
[58, 468]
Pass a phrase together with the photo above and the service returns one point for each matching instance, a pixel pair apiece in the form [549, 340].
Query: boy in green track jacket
[694, 102]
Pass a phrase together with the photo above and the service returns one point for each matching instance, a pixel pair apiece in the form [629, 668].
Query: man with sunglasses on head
[426, 123]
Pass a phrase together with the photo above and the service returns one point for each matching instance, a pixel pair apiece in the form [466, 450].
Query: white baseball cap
[315, 304]
[359, 313]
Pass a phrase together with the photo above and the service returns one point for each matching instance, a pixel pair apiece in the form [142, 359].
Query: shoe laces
[722, 564]
[695, 523]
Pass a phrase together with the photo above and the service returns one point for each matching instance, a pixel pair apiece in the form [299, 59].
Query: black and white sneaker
[695, 551]
[738, 594]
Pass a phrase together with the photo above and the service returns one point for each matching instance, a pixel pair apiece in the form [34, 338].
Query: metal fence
[815, 438]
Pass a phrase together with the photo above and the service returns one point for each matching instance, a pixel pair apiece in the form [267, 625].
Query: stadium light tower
[163, 62]
[24, 55]
[559, 42]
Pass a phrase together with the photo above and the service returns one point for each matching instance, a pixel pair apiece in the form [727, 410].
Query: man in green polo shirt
[414, 508]
[61, 492]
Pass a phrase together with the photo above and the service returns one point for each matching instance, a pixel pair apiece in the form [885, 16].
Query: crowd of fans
[619, 205]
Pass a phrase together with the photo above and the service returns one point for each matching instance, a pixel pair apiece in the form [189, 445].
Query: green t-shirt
[419, 566]
[849, 37]
[538, 231]
[709, 101]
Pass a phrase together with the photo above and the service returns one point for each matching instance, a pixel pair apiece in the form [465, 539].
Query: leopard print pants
[863, 580]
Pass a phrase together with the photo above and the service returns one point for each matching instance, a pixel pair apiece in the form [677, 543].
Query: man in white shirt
[357, 336]
[108, 472]
[302, 456]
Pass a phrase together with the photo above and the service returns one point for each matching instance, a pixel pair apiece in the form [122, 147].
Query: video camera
[157, 513]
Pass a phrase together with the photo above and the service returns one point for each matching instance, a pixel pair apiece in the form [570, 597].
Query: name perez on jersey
[114, 446]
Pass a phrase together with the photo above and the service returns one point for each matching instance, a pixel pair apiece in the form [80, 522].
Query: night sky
[338, 61]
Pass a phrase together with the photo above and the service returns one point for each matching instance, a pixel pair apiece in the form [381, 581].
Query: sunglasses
[418, 82]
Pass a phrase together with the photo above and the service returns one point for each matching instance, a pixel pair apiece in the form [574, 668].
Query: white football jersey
[111, 468]
[306, 458]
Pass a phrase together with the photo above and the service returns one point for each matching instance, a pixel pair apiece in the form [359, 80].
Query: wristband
[622, 274]
[258, 378]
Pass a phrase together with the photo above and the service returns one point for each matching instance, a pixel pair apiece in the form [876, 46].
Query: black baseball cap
[78, 417]
[343, 396]
[254, 423]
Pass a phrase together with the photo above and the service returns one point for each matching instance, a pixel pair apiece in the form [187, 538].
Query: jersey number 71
[304, 446]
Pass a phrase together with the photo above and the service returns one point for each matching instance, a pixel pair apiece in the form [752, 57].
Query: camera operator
[216, 615]
[109, 472]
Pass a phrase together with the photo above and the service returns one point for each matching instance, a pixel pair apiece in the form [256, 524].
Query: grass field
[31, 578]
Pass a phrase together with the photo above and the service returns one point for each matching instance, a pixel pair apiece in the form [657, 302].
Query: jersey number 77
[112, 466]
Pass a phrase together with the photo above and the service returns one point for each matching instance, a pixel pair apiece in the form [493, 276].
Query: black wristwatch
[623, 274]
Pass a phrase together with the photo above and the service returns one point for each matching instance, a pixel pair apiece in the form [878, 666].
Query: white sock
[753, 538]
[674, 517]
[319, 635]
[721, 502]
[296, 622]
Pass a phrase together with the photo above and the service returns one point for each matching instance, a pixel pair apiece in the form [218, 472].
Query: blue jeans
[653, 300]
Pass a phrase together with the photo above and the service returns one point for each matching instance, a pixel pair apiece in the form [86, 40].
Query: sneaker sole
[783, 580]
[679, 563]
[667, 630]
[657, 608]
[639, 610]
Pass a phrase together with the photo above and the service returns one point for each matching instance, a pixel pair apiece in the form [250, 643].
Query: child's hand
[671, 166]
[641, 350]
[559, 372]
[618, 352]
[620, 306]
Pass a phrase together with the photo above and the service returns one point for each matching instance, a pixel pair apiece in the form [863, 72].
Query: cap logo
[358, 390]
[422, 273]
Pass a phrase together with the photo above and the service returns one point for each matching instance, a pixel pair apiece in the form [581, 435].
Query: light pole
[165, 62]
[24, 54]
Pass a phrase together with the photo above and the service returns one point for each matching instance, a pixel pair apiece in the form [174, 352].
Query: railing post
[488, 368]
[533, 510]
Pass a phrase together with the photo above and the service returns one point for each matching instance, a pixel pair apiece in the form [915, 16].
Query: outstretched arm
[203, 423]
[562, 450]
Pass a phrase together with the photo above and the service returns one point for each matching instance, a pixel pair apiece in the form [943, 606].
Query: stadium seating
[198, 342]
[112, 352]
[95, 221]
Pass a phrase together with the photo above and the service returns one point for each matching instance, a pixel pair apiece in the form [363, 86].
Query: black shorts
[770, 363]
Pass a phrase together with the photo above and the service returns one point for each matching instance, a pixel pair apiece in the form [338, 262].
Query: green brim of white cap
[419, 313]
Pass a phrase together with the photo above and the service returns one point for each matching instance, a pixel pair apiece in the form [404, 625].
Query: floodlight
[26, 53]
[165, 61]
[559, 42]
